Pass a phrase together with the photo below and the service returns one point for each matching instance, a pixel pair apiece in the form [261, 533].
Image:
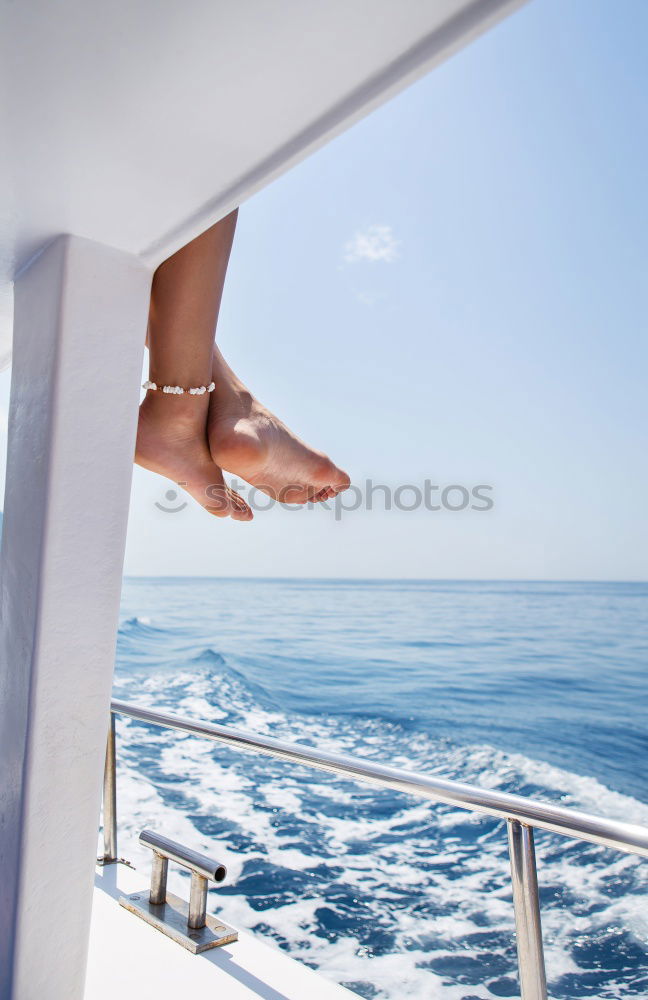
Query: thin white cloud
[369, 298]
[375, 243]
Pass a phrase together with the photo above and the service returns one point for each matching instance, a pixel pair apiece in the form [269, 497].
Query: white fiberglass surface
[137, 125]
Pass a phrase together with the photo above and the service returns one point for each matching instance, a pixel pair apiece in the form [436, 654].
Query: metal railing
[521, 815]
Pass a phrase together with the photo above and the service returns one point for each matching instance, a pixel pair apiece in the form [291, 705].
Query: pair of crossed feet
[193, 439]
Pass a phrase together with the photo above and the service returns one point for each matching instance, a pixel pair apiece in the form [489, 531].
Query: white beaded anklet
[177, 390]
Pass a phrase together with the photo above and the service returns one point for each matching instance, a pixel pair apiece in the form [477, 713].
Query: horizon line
[377, 579]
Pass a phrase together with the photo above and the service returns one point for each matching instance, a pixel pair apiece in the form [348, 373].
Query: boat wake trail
[393, 897]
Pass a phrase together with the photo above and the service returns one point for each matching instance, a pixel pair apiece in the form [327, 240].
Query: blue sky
[455, 290]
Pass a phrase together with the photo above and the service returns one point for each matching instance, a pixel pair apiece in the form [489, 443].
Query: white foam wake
[394, 897]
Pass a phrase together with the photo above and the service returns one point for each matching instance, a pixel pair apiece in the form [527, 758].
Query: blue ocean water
[538, 688]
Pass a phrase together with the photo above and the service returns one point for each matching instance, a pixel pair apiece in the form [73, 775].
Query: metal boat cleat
[187, 923]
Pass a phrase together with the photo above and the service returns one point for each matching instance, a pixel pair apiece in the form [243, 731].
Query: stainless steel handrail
[521, 815]
[557, 819]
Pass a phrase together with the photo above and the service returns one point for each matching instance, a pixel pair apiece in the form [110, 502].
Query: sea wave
[394, 897]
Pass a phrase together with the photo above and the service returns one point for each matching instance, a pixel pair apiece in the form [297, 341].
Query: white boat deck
[128, 958]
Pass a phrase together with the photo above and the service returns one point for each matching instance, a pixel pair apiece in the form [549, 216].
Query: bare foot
[172, 442]
[249, 441]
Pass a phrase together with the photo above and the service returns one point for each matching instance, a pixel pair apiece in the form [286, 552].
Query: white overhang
[138, 124]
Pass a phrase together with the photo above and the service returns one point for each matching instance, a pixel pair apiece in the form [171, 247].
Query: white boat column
[79, 326]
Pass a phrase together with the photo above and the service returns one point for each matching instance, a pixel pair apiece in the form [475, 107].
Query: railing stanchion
[533, 980]
[110, 797]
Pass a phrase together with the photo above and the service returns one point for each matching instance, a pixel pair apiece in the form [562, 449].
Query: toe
[295, 493]
[319, 495]
[327, 475]
[239, 509]
[340, 482]
[217, 500]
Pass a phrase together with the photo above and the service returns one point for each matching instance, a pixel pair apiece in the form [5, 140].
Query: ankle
[232, 396]
[181, 413]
